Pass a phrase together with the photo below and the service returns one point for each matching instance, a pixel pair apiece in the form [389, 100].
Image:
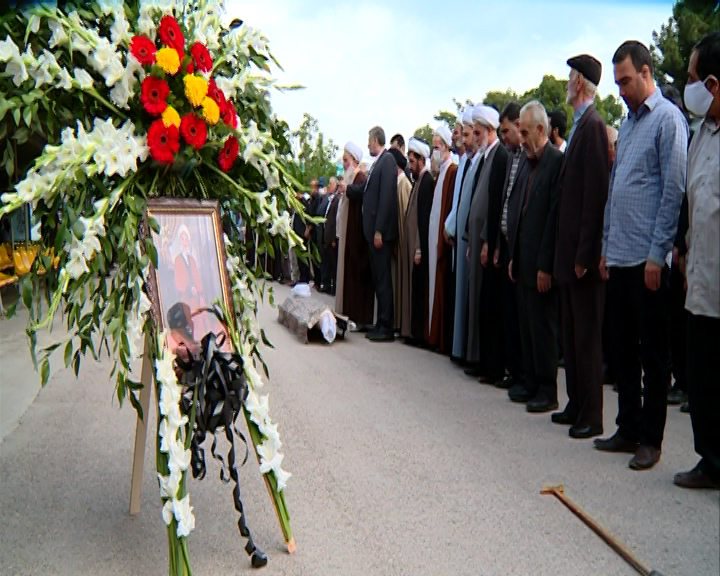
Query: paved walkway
[402, 466]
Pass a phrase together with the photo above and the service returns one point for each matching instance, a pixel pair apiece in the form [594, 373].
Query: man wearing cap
[380, 221]
[455, 228]
[584, 181]
[533, 232]
[647, 185]
[404, 189]
[414, 275]
[484, 340]
[354, 296]
[439, 251]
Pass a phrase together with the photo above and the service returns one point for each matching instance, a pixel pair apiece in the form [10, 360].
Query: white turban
[419, 147]
[444, 133]
[467, 115]
[354, 150]
[182, 229]
[487, 116]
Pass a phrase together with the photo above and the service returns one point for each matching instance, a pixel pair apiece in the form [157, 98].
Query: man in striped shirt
[647, 185]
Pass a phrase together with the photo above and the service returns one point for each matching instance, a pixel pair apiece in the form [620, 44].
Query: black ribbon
[216, 384]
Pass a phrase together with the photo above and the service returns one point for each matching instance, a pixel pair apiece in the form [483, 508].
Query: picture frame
[191, 273]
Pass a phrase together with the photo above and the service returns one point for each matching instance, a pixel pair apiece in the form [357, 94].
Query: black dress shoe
[616, 443]
[562, 418]
[381, 337]
[685, 408]
[696, 479]
[645, 458]
[582, 432]
[506, 383]
[473, 371]
[519, 394]
[540, 405]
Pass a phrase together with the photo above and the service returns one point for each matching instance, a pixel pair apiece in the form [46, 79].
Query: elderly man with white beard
[485, 341]
[439, 251]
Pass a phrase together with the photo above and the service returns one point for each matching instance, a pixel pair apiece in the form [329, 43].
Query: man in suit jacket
[532, 245]
[380, 227]
[510, 207]
[584, 181]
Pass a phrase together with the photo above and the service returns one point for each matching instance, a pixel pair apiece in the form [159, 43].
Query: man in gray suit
[380, 227]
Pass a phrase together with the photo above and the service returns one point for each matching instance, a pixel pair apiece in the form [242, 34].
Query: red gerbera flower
[154, 93]
[143, 49]
[216, 94]
[163, 141]
[171, 34]
[229, 153]
[193, 130]
[229, 115]
[190, 68]
[201, 57]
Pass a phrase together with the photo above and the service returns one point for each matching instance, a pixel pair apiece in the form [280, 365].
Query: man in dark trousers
[330, 239]
[301, 229]
[532, 244]
[380, 227]
[584, 182]
[510, 206]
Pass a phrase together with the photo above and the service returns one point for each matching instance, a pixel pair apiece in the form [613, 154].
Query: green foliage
[672, 45]
[424, 133]
[315, 157]
[499, 99]
[448, 117]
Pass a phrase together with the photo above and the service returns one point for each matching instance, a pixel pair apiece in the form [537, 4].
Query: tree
[315, 157]
[671, 48]
[448, 117]
[500, 99]
[424, 133]
[610, 109]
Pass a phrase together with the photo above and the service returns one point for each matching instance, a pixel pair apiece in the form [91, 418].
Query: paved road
[402, 466]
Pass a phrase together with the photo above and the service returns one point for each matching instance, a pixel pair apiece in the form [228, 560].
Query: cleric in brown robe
[358, 296]
[441, 252]
[414, 278]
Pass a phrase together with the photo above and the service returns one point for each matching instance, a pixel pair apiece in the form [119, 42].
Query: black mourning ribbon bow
[215, 381]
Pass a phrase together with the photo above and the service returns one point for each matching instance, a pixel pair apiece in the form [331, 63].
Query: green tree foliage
[672, 45]
[424, 133]
[500, 99]
[315, 156]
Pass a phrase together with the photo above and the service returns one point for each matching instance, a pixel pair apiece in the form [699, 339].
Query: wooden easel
[138, 462]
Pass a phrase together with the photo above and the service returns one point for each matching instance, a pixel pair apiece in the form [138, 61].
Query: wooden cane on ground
[623, 551]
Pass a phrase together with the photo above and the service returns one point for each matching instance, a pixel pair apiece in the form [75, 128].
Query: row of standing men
[482, 259]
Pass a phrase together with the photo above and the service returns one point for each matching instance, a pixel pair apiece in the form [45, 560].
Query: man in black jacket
[380, 227]
[532, 245]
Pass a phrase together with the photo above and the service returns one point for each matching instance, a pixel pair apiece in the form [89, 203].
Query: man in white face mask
[702, 98]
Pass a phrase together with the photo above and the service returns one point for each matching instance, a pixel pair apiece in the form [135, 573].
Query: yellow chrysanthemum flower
[168, 59]
[211, 111]
[196, 89]
[170, 117]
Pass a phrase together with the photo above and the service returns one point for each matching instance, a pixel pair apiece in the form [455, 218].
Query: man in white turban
[455, 225]
[414, 275]
[439, 251]
[485, 356]
[354, 296]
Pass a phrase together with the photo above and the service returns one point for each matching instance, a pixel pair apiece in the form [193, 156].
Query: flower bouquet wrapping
[105, 108]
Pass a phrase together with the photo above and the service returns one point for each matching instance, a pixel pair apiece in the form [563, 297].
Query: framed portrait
[191, 274]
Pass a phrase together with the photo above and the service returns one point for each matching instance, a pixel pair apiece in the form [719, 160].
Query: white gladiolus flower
[184, 516]
[281, 225]
[80, 45]
[253, 376]
[83, 79]
[146, 22]
[164, 370]
[258, 406]
[179, 457]
[76, 265]
[34, 23]
[282, 477]
[176, 420]
[167, 512]
[169, 399]
[64, 80]
[120, 30]
[270, 458]
[59, 37]
[8, 50]
[169, 485]
[17, 69]
[165, 432]
[270, 431]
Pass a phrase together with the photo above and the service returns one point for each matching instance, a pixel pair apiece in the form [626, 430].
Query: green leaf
[16, 116]
[27, 292]
[136, 404]
[76, 363]
[152, 253]
[68, 354]
[44, 372]
[154, 225]
[10, 311]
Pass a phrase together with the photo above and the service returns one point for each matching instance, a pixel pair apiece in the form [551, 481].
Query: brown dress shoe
[616, 443]
[696, 479]
[645, 458]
